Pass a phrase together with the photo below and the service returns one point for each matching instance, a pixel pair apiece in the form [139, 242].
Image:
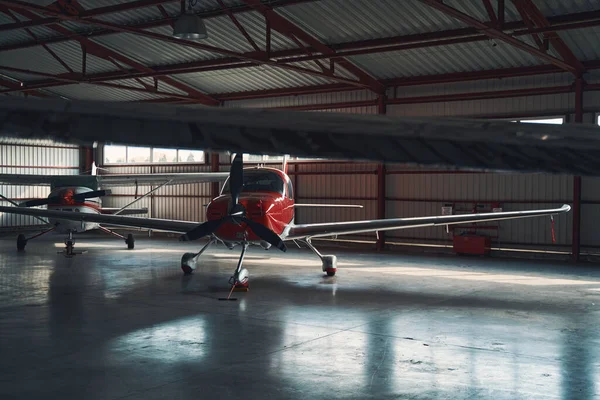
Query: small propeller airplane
[256, 207]
[81, 194]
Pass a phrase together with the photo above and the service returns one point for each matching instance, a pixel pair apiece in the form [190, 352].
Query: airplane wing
[304, 231]
[26, 179]
[457, 143]
[134, 222]
[116, 179]
[157, 179]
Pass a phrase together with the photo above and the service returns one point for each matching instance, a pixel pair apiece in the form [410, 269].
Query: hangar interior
[526, 61]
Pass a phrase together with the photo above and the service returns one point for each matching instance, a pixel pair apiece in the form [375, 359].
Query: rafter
[286, 27]
[490, 10]
[13, 86]
[134, 5]
[498, 34]
[537, 17]
[27, 7]
[106, 53]
[238, 25]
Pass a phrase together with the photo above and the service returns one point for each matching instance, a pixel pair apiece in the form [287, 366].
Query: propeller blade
[90, 195]
[40, 202]
[236, 178]
[202, 230]
[265, 234]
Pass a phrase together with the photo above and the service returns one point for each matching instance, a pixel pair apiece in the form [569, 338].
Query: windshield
[259, 181]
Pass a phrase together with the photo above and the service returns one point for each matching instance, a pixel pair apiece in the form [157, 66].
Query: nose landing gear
[240, 278]
[69, 250]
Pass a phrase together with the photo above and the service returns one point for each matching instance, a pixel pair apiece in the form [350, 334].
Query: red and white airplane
[82, 194]
[256, 207]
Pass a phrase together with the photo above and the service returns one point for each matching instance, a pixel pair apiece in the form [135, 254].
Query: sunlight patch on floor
[476, 276]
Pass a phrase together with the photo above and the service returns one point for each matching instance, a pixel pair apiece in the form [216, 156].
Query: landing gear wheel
[329, 265]
[21, 242]
[130, 241]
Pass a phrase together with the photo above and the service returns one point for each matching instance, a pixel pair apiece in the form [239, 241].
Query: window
[190, 156]
[138, 155]
[262, 157]
[114, 154]
[164, 155]
[259, 180]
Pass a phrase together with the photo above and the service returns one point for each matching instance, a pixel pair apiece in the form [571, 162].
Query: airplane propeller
[79, 197]
[237, 212]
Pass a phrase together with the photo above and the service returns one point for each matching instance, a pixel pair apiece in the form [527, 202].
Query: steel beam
[382, 45]
[27, 7]
[410, 81]
[397, 43]
[495, 33]
[444, 98]
[286, 27]
[576, 236]
[381, 180]
[537, 17]
[104, 52]
[516, 28]
[16, 86]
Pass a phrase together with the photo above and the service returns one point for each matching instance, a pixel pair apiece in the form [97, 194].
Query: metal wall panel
[423, 194]
[181, 202]
[40, 157]
[291, 101]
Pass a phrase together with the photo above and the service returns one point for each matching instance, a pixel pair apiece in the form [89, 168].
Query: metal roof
[462, 57]
[346, 25]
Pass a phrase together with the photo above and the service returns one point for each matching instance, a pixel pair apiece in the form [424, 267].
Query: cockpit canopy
[260, 180]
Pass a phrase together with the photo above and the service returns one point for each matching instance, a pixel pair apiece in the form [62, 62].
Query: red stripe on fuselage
[88, 204]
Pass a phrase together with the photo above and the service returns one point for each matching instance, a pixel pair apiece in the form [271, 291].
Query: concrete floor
[114, 324]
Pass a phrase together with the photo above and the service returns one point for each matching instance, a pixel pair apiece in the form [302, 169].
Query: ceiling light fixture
[189, 26]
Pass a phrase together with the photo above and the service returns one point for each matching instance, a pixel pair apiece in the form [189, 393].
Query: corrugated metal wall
[40, 157]
[419, 192]
[180, 202]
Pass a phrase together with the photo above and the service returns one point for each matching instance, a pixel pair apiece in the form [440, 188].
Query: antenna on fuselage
[284, 164]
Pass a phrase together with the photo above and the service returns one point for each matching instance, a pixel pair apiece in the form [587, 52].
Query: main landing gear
[238, 280]
[22, 240]
[189, 261]
[129, 240]
[329, 262]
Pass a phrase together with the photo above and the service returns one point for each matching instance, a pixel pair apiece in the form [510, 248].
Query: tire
[130, 241]
[21, 242]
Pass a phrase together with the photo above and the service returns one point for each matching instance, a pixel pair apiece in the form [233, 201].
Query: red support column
[87, 158]
[214, 167]
[381, 203]
[576, 239]
[381, 178]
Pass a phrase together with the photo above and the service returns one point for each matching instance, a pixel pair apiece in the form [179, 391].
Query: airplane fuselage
[271, 208]
[67, 203]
